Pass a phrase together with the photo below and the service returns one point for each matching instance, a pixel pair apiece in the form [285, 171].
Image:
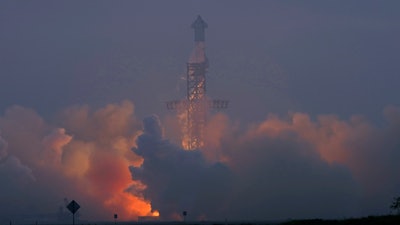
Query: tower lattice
[196, 106]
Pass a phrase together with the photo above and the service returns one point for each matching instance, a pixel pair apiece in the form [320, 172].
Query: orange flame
[182, 118]
[129, 206]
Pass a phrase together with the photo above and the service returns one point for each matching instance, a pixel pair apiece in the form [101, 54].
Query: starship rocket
[199, 26]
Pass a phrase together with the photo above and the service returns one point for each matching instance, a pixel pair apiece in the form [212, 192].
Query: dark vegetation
[396, 205]
[371, 220]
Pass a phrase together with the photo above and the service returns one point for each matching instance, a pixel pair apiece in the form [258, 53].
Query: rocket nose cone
[199, 29]
[199, 23]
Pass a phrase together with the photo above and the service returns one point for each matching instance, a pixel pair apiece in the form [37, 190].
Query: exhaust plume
[84, 156]
[285, 166]
[290, 166]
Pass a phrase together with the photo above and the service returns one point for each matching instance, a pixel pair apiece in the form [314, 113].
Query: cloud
[84, 155]
[12, 171]
[264, 177]
[19, 123]
[15, 177]
[362, 151]
[175, 179]
[54, 144]
[291, 166]
[3, 148]
[98, 156]
[281, 176]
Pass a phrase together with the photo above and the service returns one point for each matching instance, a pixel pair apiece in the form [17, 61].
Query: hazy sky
[265, 56]
[296, 59]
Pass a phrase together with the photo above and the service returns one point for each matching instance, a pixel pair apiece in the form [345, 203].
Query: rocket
[196, 104]
[199, 26]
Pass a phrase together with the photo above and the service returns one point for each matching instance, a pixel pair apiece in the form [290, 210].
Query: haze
[311, 130]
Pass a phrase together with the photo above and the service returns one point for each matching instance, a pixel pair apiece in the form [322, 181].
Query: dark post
[184, 213]
[115, 218]
[73, 207]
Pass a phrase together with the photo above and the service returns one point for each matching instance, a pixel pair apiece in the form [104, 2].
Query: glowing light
[183, 121]
[129, 207]
[155, 213]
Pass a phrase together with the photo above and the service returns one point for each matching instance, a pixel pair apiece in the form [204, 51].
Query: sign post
[184, 213]
[73, 207]
[115, 218]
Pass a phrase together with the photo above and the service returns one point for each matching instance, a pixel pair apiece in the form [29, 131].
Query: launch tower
[196, 106]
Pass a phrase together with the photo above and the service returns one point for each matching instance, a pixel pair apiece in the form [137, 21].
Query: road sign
[184, 213]
[115, 218]
[73, 206]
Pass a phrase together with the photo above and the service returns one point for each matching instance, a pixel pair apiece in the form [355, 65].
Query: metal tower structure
[196, 106]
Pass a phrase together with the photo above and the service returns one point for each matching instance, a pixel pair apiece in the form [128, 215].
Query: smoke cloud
[284, 167]
[14, 176]
[3, 148]
[176, 179]
[287, 166]
[84, 156]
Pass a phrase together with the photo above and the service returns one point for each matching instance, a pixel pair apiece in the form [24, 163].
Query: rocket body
[199, 27]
